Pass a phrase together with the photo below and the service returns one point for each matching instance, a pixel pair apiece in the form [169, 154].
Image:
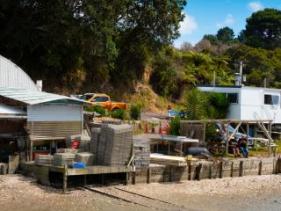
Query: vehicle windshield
[86, 97]
[100, 99]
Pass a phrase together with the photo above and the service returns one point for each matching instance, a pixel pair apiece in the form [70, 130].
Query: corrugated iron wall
[13, 76]
[39, 130]
[54, 120]
[54, 112]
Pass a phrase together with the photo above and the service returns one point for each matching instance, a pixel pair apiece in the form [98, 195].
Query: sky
[207, 16]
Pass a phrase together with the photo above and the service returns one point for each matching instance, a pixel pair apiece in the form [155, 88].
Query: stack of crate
[85, 157]
[3, 168]
[113, 147]
[141, 154]
[95, 137]
[44, 160]
[61, 159]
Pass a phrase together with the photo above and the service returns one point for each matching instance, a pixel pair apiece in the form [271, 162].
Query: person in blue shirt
[243, 146]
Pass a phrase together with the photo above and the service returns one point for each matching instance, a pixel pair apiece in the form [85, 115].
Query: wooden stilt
[65, 179]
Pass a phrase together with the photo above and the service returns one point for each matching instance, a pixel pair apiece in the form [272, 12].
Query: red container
[75, 144]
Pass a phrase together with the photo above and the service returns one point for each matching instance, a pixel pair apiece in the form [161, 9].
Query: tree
[203, 45]
[225, 35]
[64, 42]
[186, 46]
[212, 38]
[260, 64]
[263, 29]
[146, 27]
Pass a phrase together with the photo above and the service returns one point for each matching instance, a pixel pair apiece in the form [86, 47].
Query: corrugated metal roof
[8, 110]
[30, 97]
[13, 76]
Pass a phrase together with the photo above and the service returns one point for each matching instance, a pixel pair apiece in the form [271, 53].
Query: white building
[250, 103]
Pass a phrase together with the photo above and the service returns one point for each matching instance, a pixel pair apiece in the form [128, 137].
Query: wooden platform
[42, 171]
[92, 170]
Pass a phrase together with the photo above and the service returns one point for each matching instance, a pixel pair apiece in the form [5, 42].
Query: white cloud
[228, 21]
[255, 6]
[188, 25]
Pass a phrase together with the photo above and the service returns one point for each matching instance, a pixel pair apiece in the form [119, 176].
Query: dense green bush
[98, 109]
[204, 105]
[135, 112]
[175, 126]
[196, 104]
[118, 114]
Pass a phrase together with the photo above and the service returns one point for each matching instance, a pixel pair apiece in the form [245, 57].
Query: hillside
[125, 49]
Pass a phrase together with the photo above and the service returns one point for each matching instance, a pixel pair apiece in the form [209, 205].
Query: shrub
[135, 112]
[196, 104]
[205, 105]
[118, 114]
[218, 105]
[98, 109]
[175, 126]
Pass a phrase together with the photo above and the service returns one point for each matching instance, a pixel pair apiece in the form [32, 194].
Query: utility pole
[239, 76]
[264, 82]
[241, 72]
[214, 78]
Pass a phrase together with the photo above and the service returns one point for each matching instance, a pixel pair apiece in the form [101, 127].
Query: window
[100, 99]
[232, 97]
[271, 99]
[87, 97]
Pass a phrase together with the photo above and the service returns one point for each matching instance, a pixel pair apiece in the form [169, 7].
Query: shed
[49, 117]
[250, 103]
[39, 118]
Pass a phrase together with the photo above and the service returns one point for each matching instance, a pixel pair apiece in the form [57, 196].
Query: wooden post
[241, 168]
[204, 133]
[189, 171]
[148, 175]
[231, 169]
[198, 171]
[85, 180]
[134, 178]
[31, 150]
[227, 140]
[181, 153]
[260, 168]
[65, 179]
[220, 169]
[127, 178]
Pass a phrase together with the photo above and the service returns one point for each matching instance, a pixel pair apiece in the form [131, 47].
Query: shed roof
[13, 76]
[8, 110]
[210, 87]
[33, 97]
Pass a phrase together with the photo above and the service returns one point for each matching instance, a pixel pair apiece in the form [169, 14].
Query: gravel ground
[19, 193]
[244, 193]
[240, 193]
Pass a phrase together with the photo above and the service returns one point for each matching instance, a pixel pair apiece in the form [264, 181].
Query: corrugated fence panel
[54, 112]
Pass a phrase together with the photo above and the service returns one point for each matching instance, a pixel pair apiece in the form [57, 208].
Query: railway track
[136, 198]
